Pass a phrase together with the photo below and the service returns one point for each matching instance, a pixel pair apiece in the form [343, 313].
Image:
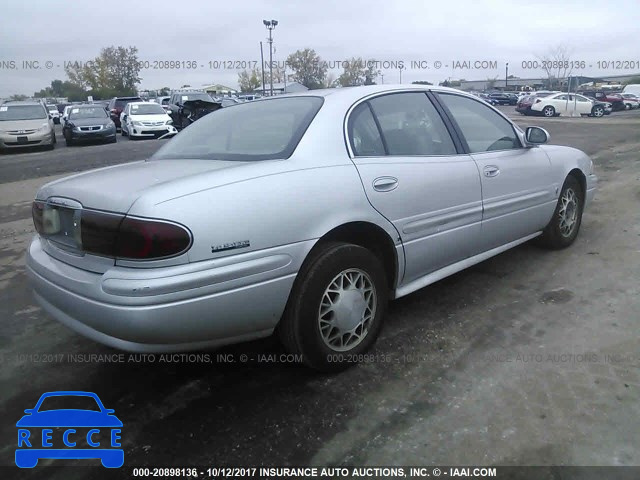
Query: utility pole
[506, 76]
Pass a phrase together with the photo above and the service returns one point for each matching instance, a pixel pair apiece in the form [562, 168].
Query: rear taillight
[37, 210]
[119, 236]
[143, 239]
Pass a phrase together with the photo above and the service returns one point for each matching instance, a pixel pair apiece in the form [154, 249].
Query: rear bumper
[169, 309]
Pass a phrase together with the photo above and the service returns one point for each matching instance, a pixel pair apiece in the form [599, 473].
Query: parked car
[503, 98]
[88, 123]
[55, 114]
[631, 100]
[524, 104]
[632, 88]
[488, 99]
[568, 104]
[25, 124]
[144, 120]
[301, 214]
[117, 104]
[65, 114]
[614, 99]
[164, 102]
[187, 107]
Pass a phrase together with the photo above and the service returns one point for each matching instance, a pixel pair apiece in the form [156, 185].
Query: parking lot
[529, 358]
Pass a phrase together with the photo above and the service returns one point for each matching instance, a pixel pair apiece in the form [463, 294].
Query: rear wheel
[563, 228]
[336, 308]
[549, 111]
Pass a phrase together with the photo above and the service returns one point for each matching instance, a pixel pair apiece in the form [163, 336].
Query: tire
[122, 132]
[308, 331]
[549, 111]
[556, 236]
[597, 111]
[113, 140]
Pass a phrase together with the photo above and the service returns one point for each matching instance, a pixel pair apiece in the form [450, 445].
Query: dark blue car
[89, 432]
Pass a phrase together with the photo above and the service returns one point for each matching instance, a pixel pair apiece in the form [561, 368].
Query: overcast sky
[406, 30]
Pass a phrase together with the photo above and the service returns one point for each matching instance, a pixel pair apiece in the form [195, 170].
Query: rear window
[121, 103]
[262, 130]
[22, 112]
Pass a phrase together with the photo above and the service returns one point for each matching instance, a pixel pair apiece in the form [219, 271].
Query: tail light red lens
[147, 239]
[119, 236]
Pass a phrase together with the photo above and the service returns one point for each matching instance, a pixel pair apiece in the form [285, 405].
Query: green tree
[357, 72]
[308, 68]
[250, 80]
[18, 97]
[164, 91]
[114, 72]
[422, 82]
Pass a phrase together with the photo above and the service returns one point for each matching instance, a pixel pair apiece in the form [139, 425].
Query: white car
[55, 114]
[568, 104]
[145, 119]
[65, 114]
[631, 100]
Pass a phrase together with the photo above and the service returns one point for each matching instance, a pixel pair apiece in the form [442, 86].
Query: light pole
[262, 67]
[401, 74]
[506, 76]
[270, 24]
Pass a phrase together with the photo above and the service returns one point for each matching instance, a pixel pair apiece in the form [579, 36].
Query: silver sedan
[301, 214]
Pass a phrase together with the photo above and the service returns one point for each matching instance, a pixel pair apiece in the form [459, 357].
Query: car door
[414, 175]
[583, 104]
[518, 189]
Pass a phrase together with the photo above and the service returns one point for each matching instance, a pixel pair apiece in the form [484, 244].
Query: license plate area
[23, 139]
[62, 226]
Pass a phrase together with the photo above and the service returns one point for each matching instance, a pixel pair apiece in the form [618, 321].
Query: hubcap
[548, 112]
[568, 212]
[347, 310]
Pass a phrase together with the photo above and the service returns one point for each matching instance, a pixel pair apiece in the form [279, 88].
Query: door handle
[385, 184]
[491, 171]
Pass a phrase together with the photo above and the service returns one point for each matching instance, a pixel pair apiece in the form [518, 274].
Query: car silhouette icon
[92, 432]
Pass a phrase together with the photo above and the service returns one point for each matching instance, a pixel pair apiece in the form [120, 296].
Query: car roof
[143, 103]
[20, 102]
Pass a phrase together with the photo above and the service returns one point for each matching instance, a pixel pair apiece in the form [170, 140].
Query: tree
[114, 72]
[557, 65]
[422, 82]
[164, 92]
[330, 81]
[633, 81]
[18, 97]
[250, 80]
[357, 72]
[491, 83]
[67, 89]
[308, 68]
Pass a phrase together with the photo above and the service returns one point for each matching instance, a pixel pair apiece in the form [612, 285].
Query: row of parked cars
[593, 103]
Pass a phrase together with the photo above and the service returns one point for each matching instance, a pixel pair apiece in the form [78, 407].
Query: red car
[615, 99]
[117, 104]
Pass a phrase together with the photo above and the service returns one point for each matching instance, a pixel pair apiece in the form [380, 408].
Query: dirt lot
[530, 358]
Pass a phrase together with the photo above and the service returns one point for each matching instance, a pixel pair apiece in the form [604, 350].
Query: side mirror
[537, 135]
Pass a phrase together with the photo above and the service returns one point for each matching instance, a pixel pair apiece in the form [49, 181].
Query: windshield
[147, 109]
[261, 130]
[195, 96]
[22, 112]
[90, 112]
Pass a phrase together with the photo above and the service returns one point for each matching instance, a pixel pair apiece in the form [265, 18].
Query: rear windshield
[260, 130]
[123, 102]
[22, 112]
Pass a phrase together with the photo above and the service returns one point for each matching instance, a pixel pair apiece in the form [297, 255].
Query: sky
[206, 31]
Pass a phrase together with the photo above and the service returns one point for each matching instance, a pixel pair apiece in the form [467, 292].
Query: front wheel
[336, 308]
[597, 111]
[549, 111]
[563, 228]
